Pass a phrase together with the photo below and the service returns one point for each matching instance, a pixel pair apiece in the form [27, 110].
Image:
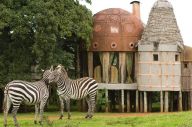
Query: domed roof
[115, 29]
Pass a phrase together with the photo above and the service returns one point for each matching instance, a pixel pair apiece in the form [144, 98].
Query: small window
[155, 57]
[185, 65]
[176, 57]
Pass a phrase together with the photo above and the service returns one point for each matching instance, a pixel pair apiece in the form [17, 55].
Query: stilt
[107, 101]
[145, 101]
[141, 101]
[161, 100]
[171, 100]
[191, 100]
[105, 56]
[180, 101]
[90, 64]
[122, 101]
[128, 101]
[137, 100]
[166, 101]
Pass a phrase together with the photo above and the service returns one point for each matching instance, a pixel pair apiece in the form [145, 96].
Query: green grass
[181, 119]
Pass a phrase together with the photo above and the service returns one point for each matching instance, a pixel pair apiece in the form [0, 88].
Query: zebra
[18, 91]
[74, 89]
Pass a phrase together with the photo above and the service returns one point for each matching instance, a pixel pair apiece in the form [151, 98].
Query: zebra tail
[5, 99]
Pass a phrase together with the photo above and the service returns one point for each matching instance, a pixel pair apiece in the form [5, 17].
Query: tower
[159, 52]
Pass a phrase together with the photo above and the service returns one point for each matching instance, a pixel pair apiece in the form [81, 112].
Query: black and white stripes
[19, 91]
[74, 89]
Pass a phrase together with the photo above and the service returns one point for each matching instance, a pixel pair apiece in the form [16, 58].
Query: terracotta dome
[115, 29]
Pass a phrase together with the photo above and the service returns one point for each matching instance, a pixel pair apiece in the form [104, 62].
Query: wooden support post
[141, 101]
[166, 101]
[105, 58]
[185, 100]
[161, 100]
[122, 66]
[145, 101]
[122, 101]
[90, 64]
[171, 100]
[137, 100]
[191, 100]
[107, 101]
[128, 101]
[180, 101]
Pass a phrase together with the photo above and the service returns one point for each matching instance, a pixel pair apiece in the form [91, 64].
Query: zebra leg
[92, 106]
[42, 105]
[6, 107]
[89, 107]
[14, 112]
[61, 106]
[36, 112]
[68, 108]
[92, 103]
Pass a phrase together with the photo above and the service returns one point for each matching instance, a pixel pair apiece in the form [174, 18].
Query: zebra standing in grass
[74, 89]
[19, 91]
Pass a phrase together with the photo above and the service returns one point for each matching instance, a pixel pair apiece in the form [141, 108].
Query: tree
[40, 32]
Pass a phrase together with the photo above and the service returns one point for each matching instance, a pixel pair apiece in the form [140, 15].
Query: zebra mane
[62, 70]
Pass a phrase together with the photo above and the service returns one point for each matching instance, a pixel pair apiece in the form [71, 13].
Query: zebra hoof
[61, 117]
[5, 125]
[35, 122]
[16, 125]
[69, 116]
[40, 122]
[90, 116]
[87, 116]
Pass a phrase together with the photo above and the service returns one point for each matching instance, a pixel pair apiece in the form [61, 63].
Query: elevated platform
[118, 86]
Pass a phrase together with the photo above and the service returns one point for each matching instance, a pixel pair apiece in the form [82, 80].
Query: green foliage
[101, 100]
[40, 32]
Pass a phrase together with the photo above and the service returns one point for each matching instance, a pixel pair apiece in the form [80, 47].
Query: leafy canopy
[40, 32]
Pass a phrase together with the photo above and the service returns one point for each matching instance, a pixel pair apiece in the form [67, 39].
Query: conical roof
[162, 25]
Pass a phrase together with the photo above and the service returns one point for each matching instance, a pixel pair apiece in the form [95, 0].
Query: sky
[182, 9]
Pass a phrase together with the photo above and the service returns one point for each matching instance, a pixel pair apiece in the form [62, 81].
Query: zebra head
[47, 73]
[57, 73]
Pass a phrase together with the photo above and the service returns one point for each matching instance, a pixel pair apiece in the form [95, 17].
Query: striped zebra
[18, 91]
[74, 89]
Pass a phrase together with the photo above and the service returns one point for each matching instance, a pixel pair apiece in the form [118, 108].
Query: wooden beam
[122, 101]
[107, 101]
[161, 100]
[137, 100]
[90, 64]
[145, 101]
[166, 101]
[141, 101]
[128, 102]
[180, 101]
[117, 86]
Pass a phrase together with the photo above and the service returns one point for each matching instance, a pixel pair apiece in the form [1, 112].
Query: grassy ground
[182, 119]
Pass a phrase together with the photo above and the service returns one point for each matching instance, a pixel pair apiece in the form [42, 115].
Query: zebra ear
[59, 70]
[51, 69]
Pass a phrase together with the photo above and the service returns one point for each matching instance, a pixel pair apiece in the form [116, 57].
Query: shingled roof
[162, 26]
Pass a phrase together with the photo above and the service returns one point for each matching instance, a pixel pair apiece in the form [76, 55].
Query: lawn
[182, 119]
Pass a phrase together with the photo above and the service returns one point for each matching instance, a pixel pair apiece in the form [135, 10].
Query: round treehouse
[111, 55]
